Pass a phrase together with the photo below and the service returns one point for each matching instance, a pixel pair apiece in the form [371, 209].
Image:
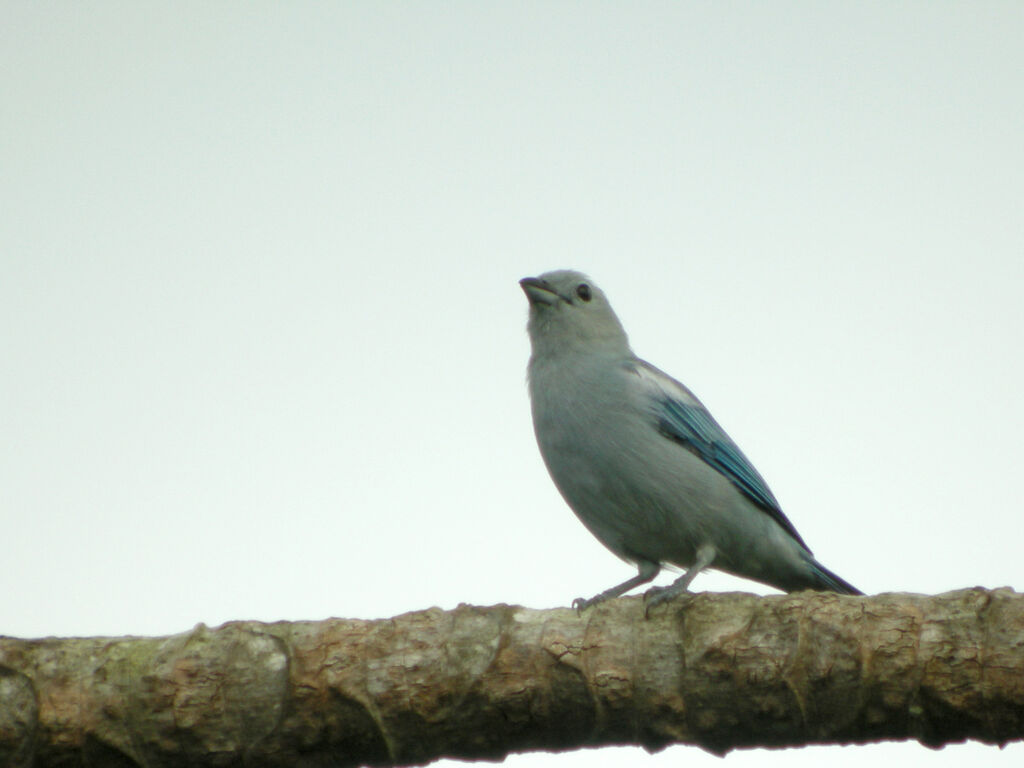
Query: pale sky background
[262, 343]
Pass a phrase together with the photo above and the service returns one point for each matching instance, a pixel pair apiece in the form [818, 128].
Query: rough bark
[717, 670]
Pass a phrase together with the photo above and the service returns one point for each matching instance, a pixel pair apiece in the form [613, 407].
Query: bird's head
[567, 311]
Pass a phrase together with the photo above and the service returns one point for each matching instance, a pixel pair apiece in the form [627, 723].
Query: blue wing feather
[684, 419]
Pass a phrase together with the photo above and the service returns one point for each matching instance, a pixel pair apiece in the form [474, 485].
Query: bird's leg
[658, 595]
[647, 572]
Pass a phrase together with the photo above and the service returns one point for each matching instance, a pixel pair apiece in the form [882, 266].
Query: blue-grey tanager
[641, 461]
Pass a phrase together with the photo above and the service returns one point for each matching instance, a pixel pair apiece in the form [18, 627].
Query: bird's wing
[682, 418]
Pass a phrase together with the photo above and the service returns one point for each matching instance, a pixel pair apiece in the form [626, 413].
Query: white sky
[262, 343]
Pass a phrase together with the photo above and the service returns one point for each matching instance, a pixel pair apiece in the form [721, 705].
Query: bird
[641, 461]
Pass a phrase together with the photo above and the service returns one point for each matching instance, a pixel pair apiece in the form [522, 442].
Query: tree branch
[717, 670]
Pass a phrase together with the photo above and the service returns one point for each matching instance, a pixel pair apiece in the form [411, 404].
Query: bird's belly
[642, 498]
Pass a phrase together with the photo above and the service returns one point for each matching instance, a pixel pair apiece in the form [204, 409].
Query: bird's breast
[636, 490]
[591, 433]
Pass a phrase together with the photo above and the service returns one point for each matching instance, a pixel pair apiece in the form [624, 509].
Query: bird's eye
[583, 291]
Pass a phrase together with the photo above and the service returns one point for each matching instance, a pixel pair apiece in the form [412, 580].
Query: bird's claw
[655, 596]
[653, 592]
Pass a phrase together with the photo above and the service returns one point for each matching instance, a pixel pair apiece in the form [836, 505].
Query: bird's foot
[655, 596]
[581, 604]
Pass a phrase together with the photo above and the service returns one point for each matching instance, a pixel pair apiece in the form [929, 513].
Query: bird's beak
[539, 291]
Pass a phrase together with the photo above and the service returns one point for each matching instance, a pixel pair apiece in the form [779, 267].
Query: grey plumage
[640, 460]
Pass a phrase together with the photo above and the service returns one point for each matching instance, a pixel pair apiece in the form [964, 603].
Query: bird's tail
[826, 580]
